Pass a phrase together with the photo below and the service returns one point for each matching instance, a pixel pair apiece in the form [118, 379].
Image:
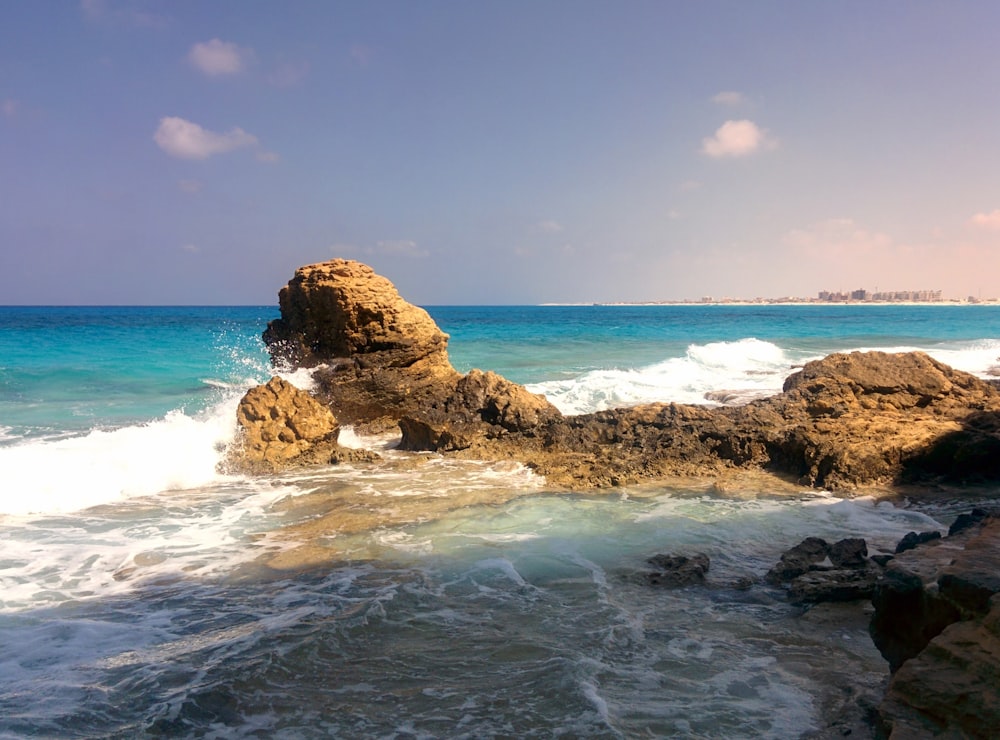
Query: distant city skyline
[184, 152]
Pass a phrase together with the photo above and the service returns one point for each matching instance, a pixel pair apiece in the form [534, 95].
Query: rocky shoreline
[848, 422]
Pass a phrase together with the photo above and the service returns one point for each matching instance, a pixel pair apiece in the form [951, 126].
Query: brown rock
[281, 426]
[930, 586]
[382, 357]
[952, 688]
[343, 309]
[846, 421]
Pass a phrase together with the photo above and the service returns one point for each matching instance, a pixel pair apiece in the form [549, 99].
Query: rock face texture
[382, 357]
[846, 421]
[937, 622]
[280, 425]
[815, 571]
[675, 571]
[380, 363]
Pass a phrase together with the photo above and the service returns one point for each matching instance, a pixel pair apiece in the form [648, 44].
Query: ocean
[144, 593]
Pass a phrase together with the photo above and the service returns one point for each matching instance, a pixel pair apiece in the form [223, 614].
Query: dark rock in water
[838, 584]
[678, 570]
[799, 559]
[912, 539]
[937, 622]
[849, 553]
[817, 572]
[964, 521]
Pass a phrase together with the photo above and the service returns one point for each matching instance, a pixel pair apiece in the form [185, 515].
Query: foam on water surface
[141, 592]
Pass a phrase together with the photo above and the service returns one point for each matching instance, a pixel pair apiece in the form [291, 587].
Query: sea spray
[471, 600]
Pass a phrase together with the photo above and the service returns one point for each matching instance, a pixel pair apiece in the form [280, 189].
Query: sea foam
[748, 367]
[175, 452]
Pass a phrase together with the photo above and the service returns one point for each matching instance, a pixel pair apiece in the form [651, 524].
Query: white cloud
[729, 97]
[190, 186]
[187, 140]
[689, 185]
[401, 247]
[989, 220]
[217, 58]
[737, 139]
[190, 248]
[288, 74]
[268, 157]
[550, 227]
[10, 108]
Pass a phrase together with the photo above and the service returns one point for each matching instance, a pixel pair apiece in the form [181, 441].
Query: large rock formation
[380, 356]
[937, 622]
[846, 421]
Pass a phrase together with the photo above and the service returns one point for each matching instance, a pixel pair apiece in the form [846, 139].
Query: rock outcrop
[815, 571]
[280, 426]
[937, 622]
[380, 357]
[846, 421]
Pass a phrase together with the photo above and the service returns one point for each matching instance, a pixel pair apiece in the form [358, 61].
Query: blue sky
[497, 152]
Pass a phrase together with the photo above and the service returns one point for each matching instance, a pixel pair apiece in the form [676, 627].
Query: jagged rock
[674, 571]
[280, 426]
[799, 560]
[846, 421]
[482, 406]
[342, 309]
[938, 623]
[851, 552]
[913, 539]
[835, 584]
[951, 689]
[930, 586]
[381, 356]
[816, 571]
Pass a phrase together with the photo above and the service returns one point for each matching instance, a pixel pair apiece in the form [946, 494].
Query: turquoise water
[139, 598]
[71, 369]
[532, 343]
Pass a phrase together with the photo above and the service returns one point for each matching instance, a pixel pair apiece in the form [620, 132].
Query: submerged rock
[674, 571]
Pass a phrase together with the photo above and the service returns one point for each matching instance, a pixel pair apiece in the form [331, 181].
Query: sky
[514, 152]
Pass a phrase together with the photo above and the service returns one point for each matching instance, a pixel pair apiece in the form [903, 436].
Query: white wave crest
[175, 452]
[746, 368]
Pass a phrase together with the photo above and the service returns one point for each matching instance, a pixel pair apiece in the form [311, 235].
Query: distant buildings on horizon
[860, 296]
[895, 296]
